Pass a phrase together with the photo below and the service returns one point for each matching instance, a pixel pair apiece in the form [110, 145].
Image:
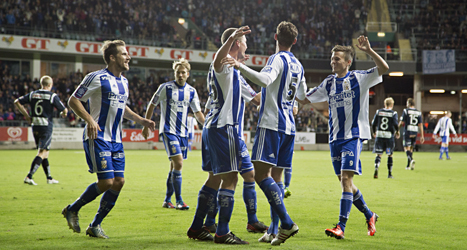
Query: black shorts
[408, 141]
[384, 144]
[42, 136]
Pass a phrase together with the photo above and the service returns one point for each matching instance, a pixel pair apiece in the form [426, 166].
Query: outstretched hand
[231, 62]
[244, 30]
[363, 44]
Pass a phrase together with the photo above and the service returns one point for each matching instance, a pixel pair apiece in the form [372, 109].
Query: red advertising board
[134, 135]
[460, 139]
[13, 134]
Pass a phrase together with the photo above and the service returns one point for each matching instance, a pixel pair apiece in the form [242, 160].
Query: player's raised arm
[364, 45]
[225, 48]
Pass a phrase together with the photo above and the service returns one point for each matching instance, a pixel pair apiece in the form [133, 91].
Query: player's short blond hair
[349, 52]
[46, 81]
[182, 62]
[388, 102]
[110, 48]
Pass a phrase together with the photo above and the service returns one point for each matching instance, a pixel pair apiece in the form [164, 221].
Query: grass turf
[420, 209]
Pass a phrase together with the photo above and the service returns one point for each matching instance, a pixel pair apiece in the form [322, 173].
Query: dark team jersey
[42, 104]
[384, 123]
[411, 117]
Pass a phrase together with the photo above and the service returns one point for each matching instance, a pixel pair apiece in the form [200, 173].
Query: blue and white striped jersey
[444, 126]
[348, 99]
[225, 97]
[175, 101]
[106, 96]
[191, 123]
[277, 99]
[411, 117]
[247, 95]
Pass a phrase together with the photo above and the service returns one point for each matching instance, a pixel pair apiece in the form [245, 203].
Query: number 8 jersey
[384, 123]
[277, 99]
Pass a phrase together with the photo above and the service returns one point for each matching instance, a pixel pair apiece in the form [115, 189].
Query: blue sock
[287, 177]
[91, 192]
[170, 187]
[274, 195]
[107, 203]
[249, 197]
[360, 204]
[346, 205]
[226, 204]
[274, 227]
[213, 208]
[177, 184]
[205, 197]
[446, 150]
[441, 151]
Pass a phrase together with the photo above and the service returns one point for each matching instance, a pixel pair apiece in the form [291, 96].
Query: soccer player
[281, 80]
[106, 93]
[192, 125]
[288, 172]
[175, 97]
[347, 93]
[384, 127]
[42, 104]
[412, 121]
[221, 139]
[444, 126]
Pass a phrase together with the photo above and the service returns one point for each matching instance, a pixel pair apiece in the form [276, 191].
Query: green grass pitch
[420, 209]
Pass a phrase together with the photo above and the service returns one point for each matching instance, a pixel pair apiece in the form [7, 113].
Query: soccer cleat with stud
[372, 224]
[52, 181]
[168, 204]
[257, 227]
[287, 192]
[412, 164]
[201, 234]
[229, 238]
[29, 181]
[182, 206]
[96, 232]
[267, 238]
[72, 219]
[284, 234]
[335, 232]
[212, 228]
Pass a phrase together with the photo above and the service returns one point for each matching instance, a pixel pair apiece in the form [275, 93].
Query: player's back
[225, 95]
[444, 125]
[106, 96]
[385, 122]
[42, 106]
[411, 117]
[276, 112]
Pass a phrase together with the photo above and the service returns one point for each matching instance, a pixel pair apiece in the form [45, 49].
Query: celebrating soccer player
[175, 97]
[347, 93]
[106, 92]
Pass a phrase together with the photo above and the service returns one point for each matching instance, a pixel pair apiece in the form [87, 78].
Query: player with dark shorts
[42, 104]
[412, 121]
[384, 127]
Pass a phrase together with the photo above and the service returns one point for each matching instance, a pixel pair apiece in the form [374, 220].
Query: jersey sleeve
[160, 93]
[318, 94]
[301, 91]
[247, 91]
[273, 67]
[87, 87]
[368, 78]
[57, 103]
[195, 106]
[25, 99]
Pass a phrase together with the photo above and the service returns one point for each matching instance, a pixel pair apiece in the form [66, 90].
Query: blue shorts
[408, 141]
[345, 155]
[246, 166]
[273, 147]
[444, 139]
[384, 144]
[175, 145]
[42, 136]
[105, 158]
[222, 147]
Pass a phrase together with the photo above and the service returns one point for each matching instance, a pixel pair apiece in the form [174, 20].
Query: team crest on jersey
[104, 163]
[346, 85]
[174, 150]
[81, 91]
